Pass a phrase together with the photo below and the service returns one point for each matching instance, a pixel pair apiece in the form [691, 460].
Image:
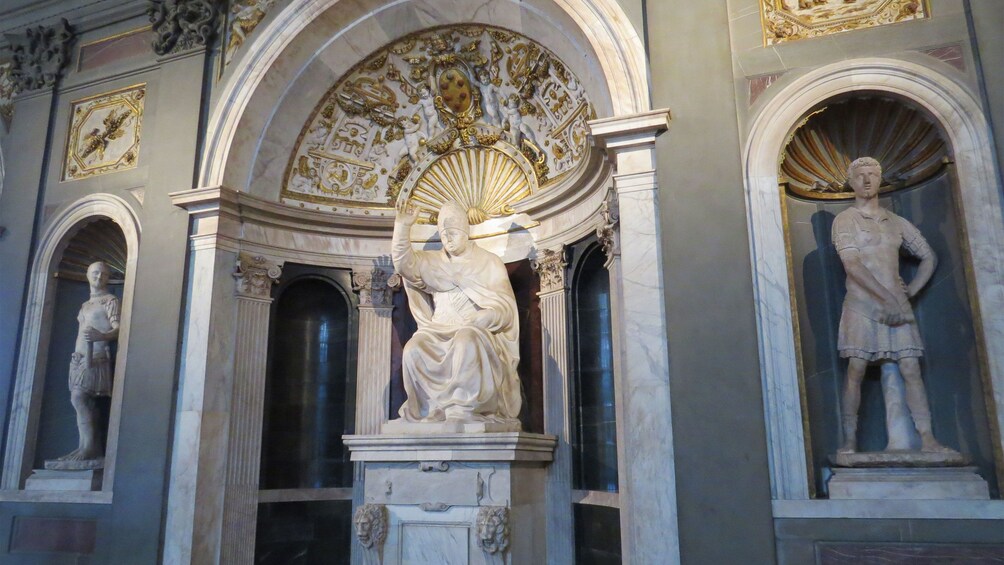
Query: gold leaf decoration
[815, 160]
[430, 93]
[483, 180]
[787, 20]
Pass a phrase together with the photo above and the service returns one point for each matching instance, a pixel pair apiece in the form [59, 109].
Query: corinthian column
[646, 471]
[551, 265]
[376, 288]
[255, 276]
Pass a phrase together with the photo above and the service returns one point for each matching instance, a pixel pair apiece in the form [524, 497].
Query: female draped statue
[460, 366]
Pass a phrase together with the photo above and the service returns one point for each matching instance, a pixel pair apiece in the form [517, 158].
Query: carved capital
[371, 525]
[607, 232]
[7, 92]
[375, 287]
[40, 55]
[493, 529]
[255, 275]
[184, 24]
[550, 266]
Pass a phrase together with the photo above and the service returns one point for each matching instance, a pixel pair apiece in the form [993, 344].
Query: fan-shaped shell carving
[484, 180]
[909, 147]
[101, 240]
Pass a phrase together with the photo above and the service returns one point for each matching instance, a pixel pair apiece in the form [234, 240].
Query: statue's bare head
[454, 228]
[98, 274]
[864, 175]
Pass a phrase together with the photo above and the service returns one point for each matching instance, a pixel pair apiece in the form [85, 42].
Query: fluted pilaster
[376, 287]
[551, 266]
[255, 276]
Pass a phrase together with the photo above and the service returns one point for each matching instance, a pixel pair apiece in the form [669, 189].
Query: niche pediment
[472, 113]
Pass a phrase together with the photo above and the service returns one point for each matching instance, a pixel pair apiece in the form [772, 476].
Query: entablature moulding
[234, 220]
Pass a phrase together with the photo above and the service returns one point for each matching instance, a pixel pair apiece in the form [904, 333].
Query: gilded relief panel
[787, 20]
[104, 133]
[472, 105]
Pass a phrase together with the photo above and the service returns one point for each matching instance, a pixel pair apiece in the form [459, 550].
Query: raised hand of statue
[407, 213]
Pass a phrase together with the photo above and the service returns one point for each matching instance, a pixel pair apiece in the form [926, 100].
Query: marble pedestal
[907, 483]
[50, 479]
[462, 498]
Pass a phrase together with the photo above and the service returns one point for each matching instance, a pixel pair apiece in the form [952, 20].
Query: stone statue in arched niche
[877, 323]
[90, 371]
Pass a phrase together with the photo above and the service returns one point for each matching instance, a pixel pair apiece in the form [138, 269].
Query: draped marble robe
[452, 368]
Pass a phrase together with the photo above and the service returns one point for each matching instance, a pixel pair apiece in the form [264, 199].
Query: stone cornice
[621, 132]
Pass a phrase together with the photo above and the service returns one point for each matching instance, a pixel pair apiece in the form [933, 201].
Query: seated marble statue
[460, 366]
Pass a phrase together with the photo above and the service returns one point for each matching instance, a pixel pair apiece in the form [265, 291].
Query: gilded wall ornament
[242, 19]
[457, 100]
[7, 92]
[40, 55]
[104, 133]
[787, 20]
[183, 24]
[815, 159]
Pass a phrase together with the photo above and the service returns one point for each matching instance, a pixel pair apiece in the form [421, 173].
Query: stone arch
[274, 58]
[961, 118]
[35, 334]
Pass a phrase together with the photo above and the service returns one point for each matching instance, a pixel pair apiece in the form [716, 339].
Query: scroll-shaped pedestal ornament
[183, 24]
[255, 276]
[493, 532]
[40, 55]
[371, 531]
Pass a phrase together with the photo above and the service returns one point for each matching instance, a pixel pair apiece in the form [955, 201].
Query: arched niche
[919, 184]
[95, 239]
[310, 387]
[958, 115]
[62, 251]
[305, 505]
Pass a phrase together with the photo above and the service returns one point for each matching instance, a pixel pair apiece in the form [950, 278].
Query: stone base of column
[454, 498]
[905, 483]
